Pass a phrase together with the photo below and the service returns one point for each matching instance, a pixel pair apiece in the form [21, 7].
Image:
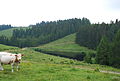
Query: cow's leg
[12, 65]
[1, 68]
[17, 66]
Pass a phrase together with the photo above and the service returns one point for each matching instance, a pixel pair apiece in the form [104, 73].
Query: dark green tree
[115, 55]
[88, 58]
[103, 51]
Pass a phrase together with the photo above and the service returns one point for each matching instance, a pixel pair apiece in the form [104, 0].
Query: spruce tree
[115, 55]
[103, 51]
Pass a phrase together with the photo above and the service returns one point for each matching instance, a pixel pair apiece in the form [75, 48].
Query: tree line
[3, 27]
[44, 32]
[90, 36]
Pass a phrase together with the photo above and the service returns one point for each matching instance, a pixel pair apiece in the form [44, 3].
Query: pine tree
[115, 55]
[103, 51]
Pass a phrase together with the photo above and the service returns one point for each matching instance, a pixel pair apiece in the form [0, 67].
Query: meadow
[36, 66]
[8, 32]
[65, 46]
[4, 47]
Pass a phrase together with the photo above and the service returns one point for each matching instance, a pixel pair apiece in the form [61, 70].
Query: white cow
[9, 58]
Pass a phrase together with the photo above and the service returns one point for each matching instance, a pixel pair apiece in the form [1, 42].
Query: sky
[26, 12]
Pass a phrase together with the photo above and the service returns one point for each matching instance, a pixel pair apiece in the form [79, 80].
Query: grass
[37, 66]
[8, 32]
[53, 72]
[5, 47]
[65, 46]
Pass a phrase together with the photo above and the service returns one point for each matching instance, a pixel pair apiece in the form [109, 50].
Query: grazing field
[65, 46]
[8, 32]
[37, 66]
[5, 47]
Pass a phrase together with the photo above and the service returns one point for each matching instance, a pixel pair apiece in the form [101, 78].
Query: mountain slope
[8, 32]
[5, 47]
[64, 47]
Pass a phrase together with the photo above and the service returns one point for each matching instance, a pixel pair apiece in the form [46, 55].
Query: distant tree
[3, 27]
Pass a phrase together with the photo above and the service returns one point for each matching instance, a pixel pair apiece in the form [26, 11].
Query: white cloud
[25, 12]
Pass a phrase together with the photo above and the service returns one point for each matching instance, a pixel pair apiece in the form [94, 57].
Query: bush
[80, 56]
[97, 70]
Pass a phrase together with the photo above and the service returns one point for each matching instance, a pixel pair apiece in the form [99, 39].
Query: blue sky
[25, 12]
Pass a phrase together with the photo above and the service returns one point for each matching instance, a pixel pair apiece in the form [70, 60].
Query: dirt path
[111, 72]
[23, 48]
[102, 71]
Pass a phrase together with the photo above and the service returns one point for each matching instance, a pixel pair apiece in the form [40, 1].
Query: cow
[10, 58]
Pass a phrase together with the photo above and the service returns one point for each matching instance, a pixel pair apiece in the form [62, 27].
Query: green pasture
[36, 66]
[8, 32]
[65, 46]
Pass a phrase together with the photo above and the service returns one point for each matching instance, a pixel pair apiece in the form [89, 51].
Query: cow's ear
[15, 55]
[22, 55]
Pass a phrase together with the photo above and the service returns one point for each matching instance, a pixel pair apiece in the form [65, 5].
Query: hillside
[45, 32]
[64, 47]
[8, 32]
[5, 47]
[37, 66]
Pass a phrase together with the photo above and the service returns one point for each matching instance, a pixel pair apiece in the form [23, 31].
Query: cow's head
[18, 57]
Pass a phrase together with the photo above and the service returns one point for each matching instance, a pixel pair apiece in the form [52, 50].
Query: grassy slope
[41, 67]
[4, 47]
[8, 32]
[65, 46]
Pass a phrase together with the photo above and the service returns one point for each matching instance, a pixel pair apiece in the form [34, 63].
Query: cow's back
[4, 54]
[7, 59]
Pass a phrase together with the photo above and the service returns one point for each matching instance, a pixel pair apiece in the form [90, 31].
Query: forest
[3, 27]
[105, 39]
[90, 35]
[44, 32]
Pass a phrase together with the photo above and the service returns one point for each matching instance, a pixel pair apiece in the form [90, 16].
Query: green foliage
[90, 35]
[115, 54]
[108, 53]
[103, 51]
[88, 58]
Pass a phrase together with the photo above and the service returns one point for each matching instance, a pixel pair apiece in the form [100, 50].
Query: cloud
[25, 12]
